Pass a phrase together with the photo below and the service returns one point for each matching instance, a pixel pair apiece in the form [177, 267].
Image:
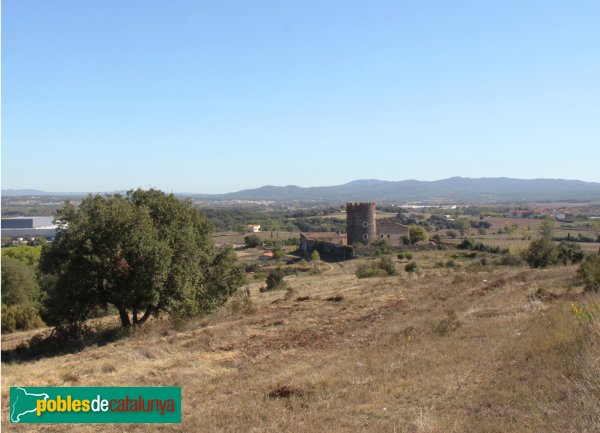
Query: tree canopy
[19, 285]
[145, 252]
[417, 233]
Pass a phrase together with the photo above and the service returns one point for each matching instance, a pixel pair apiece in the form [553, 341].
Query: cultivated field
[466, 349]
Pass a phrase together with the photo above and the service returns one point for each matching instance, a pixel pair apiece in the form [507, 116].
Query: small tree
[252, 241]
[387, 265]
[417, 233]
[278, 253]
[589, 270]
[546, 229]
[541, 253]
[315, 256]
[462, 225]
[275, 279]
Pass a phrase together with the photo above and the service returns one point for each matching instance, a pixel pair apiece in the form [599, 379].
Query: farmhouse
[393, 231]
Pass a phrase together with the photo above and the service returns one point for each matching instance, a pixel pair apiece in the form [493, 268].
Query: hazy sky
[216, 96]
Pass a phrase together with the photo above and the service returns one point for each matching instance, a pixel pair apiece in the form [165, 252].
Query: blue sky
[193, 96]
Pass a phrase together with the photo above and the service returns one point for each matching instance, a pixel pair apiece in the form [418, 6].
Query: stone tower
[360, 223]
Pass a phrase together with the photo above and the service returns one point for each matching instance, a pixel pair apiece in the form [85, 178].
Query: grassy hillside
[465, 349]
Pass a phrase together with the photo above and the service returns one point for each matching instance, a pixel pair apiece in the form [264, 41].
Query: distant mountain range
[454, 189]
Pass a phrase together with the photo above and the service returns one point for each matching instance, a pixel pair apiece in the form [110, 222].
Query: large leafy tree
[145, 253]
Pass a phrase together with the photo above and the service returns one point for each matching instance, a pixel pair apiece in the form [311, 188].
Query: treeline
[309, 220]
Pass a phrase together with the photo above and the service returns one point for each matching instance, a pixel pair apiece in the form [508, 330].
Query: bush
[275, 280]
[408, 256]
[541, 253]
[241, 302]
[366, 271]
[20, 317]
[589, 270]
[569, 253]
[401, 256]
[384, 268]
[382, 247]
[411, 267]
[387, 265]
[252, 241]
[251, 267]
[510, 259]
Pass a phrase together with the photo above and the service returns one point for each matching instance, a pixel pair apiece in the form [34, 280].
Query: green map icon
[23, 402]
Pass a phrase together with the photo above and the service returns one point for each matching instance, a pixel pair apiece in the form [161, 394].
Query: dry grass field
[464, 349]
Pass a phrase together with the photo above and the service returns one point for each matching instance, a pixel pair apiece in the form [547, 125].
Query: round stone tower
[360, 223]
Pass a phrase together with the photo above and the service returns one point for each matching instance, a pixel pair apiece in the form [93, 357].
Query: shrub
[367, 271]
[20, 317]
[510, 259]
[541, 253]
[382, 247]
[241, 302]
[252, 241]
[401, 256]
[384, 268]
[387, 265]
[569, 253]
[275, 280]
[589, 270]
[411, 267]
[251, 267]
[408, 256]
[450, 264]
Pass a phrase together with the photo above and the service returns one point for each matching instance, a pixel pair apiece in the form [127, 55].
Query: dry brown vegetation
[467, 349]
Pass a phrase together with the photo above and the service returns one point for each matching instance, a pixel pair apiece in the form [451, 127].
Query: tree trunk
[135, 317]
[147, 313]
[124, 317]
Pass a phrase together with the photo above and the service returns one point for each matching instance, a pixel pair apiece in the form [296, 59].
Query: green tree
[28, 255]
[278, 253]
[589, 270]
[462, 225]
[252, 241]
[417, 233]
[144, 253]
[19, 285]
[546, 229]
[569, 253]
[382, 247]
[541, 253]
[275, 279]
[315, 256]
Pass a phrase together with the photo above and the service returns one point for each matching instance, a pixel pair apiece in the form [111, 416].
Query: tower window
[365, 224]
[365, 236]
